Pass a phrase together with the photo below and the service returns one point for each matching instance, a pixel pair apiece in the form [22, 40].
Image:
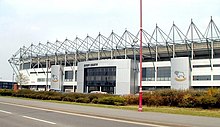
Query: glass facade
[148, 74]
[163, 73]
[97, 78]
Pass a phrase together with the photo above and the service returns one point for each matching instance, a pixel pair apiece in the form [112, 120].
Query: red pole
[140, 88]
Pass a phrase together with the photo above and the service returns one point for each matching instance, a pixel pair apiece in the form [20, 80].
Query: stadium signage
[90, 65]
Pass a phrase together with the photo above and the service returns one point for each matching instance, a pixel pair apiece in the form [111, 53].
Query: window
[76, 75]
[43, 65]
[216, 65]
[26, 66]
[199, 66]
[6, 85]
[163, 73]
[68, 76]
[216, 77]
[148, 74]
[201, 77]
[41, 80]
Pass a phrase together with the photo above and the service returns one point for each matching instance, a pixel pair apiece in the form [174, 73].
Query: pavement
[162, 119]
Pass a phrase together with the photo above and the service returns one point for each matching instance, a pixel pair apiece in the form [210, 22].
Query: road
[12, 115]
[15, 112]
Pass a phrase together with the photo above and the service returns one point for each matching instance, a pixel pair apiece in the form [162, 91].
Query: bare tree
[22, 79]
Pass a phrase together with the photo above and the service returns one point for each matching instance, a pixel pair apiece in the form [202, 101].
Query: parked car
[98, 92]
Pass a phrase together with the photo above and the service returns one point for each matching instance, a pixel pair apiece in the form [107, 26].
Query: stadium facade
[111, 64]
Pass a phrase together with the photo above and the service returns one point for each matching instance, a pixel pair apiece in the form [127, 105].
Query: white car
[98, 92]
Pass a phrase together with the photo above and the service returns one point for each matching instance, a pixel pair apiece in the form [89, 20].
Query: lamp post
[140, 87]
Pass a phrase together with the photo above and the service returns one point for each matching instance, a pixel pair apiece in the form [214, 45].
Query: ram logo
[54, 78]
[179, 76]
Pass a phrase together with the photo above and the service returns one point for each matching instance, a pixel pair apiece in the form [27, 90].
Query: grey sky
[23, 22]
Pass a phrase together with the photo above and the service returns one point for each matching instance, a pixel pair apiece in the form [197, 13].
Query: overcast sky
[23, 22]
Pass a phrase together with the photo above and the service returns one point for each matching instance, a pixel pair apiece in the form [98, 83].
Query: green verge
[160, 109]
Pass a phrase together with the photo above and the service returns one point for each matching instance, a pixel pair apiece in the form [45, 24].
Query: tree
[22, 79]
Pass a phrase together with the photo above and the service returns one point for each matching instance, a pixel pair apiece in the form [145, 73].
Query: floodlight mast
[140, 87]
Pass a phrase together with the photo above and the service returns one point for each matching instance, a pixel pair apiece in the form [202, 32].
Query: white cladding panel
[180, 73]
[56, 77]
[80, 77]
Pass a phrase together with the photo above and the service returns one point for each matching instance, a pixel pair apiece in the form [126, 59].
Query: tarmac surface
[157, 119]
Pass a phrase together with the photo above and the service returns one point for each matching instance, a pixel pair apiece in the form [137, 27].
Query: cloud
[35, 28]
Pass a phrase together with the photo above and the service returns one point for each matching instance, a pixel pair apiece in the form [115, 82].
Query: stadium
[111, 64]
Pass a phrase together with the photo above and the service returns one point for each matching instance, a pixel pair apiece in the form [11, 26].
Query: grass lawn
[161, 109]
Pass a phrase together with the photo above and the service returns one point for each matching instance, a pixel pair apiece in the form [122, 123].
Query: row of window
[164, 74]
[70, 63]
[68, 77]
[100, 76]
[206, 77]
[49, 80]
[100, 83]
[113, 78]
[43, 64]
[100, 71]
[200, 66]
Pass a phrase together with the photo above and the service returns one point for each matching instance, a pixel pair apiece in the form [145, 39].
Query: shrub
[95, 101]
[213, 91]
[190, 98]
[83, 100]
[4, 92]
[23, 93]
[72, 97]
[208, 102]
[92, 96]
[170, 97]
[131, 99]
[189, 101]
[113, 100]
[155, 100]
[217, 96]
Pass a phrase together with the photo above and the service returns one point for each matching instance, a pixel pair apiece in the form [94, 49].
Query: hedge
[186, 98]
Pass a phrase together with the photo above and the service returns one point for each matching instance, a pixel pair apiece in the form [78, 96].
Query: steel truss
[156, 47]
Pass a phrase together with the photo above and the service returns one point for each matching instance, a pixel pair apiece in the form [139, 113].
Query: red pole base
[140, 101]
[140, 109]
